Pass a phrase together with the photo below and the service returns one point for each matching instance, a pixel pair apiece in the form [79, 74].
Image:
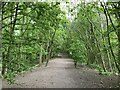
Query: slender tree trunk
[110, 47]
[97, 51]
[49, 47]
[40, 62]
[119, 46]
[117, 14]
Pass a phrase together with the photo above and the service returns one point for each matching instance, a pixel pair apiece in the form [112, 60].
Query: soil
[61, 73]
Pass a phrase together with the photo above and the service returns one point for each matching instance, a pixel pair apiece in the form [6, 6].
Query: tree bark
[40, 62]
[109, 42]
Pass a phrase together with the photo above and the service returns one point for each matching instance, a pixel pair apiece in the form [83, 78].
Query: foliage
[27, 26]
[92, 37]
[32, 33]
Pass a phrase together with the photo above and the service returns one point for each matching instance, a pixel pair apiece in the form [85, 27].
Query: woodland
[34, 32]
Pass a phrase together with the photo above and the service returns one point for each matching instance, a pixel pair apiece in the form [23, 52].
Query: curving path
[60, 73]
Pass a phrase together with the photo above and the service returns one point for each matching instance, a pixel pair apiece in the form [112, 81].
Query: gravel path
[60, 73]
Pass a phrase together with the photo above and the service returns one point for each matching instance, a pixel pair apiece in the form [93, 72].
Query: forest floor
[61, 73]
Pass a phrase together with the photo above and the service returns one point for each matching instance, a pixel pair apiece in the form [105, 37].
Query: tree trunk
[40, 62]
[110, 47]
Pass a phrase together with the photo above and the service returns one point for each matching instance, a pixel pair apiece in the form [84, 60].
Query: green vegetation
[32, 33]
[94, 36]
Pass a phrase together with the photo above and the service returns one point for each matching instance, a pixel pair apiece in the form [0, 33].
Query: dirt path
[60, 73]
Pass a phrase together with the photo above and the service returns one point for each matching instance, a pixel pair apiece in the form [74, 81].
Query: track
[60, 73]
